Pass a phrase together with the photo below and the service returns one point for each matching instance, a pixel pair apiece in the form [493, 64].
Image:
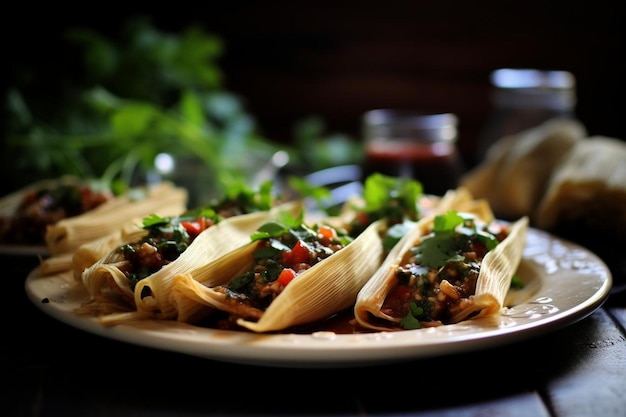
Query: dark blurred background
[289, 60]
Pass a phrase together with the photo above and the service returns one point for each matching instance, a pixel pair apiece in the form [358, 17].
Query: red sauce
[341, 323]
[437, 166]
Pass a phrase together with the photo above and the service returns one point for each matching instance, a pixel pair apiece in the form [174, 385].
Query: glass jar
[525, 98]
[406, 143]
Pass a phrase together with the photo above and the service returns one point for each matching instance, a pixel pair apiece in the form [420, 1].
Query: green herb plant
[141, 95]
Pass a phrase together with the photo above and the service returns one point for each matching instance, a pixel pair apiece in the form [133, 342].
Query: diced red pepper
[327, 234]
[194, 228]
[397, 298]
[286, 276]
[298, 254]
[362, 218]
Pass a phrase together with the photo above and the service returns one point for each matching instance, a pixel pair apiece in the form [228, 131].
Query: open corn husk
[328, 287]
[89, 253]
[69, 234]
[105, 282]
[319, 292]
[496, 271]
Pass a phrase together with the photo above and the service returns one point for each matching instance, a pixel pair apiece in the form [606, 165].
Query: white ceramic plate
[564, 283]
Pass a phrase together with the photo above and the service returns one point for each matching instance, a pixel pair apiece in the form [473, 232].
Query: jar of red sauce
[406, 143]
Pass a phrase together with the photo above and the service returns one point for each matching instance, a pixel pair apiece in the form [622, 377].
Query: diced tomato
[194, 228]
[401, 292]
[327, 234]
[31, 197]
[362, 218]
[298, 254]
[286, 276]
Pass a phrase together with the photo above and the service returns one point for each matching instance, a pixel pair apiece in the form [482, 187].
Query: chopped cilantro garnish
[447, 222]
[270, 229]
[246, 199]
[410, 323]
[395, 233]
[418, 311]
[517, 283]
[153, 220]
[392, 197]
[451, 234]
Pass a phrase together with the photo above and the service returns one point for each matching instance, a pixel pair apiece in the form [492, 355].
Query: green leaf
[447, 222]
[410, 323]
[191, 108]
[271, 229]
[133, 119]
[153, 220]
[396, 232]
[305, 189]
[393, 197]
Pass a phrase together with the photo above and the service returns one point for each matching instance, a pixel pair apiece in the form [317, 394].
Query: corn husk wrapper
[69, 234]
[326, 288]
[56, 264]
[89, 253]
[517, 168]
[588, 187]
[106, 282]
[195, 299]
[497, 270]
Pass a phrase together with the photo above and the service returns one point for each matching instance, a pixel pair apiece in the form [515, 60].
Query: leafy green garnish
[267, 230]
[517, 283]
[153, 220]
[447, 222]
[418, 311]
[451, 234]
[320, 194]
[409, 322]
[395, 233]
[395, 198]
[241, 198]
[285, 223]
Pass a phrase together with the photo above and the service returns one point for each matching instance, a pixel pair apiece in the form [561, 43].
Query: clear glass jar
[525, 98]
[406, 143]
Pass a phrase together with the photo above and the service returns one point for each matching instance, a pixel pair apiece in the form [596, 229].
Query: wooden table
[50, 369]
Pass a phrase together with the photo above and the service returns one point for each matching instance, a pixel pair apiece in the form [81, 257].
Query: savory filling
[394, 199]
[439, 277]
[282, 253]
[169, 237]
[47, 206]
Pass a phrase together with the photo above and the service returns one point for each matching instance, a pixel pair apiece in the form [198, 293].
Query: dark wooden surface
[51, 369]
